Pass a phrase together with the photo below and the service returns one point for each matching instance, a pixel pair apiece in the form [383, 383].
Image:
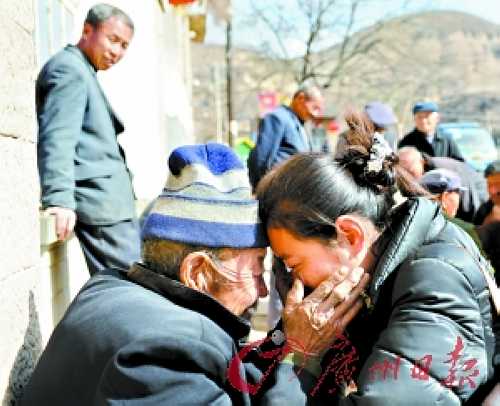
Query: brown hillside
[450, 57]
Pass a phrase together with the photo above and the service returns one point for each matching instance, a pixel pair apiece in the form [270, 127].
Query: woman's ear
[351, 234]
[196, 271]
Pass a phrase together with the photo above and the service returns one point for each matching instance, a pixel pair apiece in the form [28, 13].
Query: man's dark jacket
[476, 190]
[281, 135]
[80, 162]
[483, 212]
[144, 339]
[442, 144]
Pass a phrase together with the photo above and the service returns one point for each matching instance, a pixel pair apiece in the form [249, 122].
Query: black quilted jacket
[431, 308]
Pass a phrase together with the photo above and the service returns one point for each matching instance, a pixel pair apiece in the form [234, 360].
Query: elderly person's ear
[196, 272]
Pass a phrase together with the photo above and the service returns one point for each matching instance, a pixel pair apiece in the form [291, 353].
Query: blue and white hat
[207, 201]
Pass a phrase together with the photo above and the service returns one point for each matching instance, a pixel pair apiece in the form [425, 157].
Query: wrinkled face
[242, 280]
[494, 188]
[450, 202]
[106, 44]
[309, 259]
[426, 121]
[308, 108]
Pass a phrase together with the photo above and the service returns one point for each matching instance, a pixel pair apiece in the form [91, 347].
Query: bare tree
[327, 31]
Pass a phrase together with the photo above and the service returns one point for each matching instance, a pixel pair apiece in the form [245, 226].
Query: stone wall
[38, 275]
[20, 338]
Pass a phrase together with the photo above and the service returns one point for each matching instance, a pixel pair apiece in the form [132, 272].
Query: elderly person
[165, 332]
[446, 187]
[474, 192]
[424, 136]
[282, 133]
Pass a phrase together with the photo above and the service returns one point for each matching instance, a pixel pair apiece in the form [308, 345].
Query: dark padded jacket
[442, 144]
[430, 294]
[143, 339]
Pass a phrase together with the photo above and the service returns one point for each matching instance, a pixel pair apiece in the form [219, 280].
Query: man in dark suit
[282, 134]
[424, 136]
[85, 182]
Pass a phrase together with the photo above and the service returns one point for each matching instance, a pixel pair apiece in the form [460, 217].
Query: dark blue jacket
[281, 135]
[144, 339]
[80, 162]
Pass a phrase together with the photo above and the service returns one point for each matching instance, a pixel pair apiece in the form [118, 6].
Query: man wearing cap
[490, 211]
[475, 192]
[446, 186]
[165, 332]
[382, 117]
[424, 136]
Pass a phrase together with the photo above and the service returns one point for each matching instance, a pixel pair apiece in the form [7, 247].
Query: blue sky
[244, 36]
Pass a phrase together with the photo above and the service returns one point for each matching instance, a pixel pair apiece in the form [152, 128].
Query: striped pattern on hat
[206, 201]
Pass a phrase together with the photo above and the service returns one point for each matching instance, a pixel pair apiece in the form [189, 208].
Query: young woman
[426, 337]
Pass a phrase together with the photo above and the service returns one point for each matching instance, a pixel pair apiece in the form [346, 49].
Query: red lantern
[332, 126]
[180, 2]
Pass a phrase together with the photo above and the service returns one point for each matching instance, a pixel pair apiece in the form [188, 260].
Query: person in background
[446, 187]
[85, 182]
[282, 135]
[425, 136]
[474, 190]
[490, 210]
[382, 117]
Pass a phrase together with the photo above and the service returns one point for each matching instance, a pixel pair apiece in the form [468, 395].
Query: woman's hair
[308, 192]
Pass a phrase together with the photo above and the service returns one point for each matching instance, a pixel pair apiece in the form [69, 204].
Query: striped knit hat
[207, 201]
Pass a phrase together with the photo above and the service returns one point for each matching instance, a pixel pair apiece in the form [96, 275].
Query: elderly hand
[311, 324]
[65, 221]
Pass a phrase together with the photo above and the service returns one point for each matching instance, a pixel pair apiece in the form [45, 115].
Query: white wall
[150, 90]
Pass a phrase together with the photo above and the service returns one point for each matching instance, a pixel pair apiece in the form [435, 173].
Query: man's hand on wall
[65, 221]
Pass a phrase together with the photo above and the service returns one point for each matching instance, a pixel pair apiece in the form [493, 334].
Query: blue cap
[381, 114]
[441, 180]
[425, 106]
